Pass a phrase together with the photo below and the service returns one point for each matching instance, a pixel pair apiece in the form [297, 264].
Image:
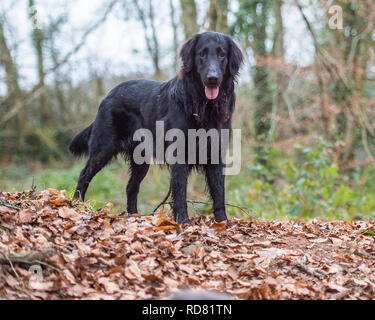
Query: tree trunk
[63, 110]
[278, 52]
[263, 94]
[189, 18]
[151, 42]
[156, 57]
[175, 39]
[10, 67]
[218, 16]
[38, 39]
[11, 79]
[278, 49]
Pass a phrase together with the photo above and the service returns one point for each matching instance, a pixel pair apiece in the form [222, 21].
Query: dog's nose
[212, 75]
[212, 79]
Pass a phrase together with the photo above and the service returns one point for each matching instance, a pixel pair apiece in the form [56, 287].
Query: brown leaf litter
[53, 248]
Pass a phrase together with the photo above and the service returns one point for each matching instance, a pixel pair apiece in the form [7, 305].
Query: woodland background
[306, 98]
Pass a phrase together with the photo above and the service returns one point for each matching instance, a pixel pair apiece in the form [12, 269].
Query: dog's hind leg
[96, 162]
[138, 172]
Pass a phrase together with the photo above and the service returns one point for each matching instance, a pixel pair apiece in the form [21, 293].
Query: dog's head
[212, 56]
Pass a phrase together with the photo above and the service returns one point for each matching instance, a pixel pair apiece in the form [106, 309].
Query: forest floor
[53, 248]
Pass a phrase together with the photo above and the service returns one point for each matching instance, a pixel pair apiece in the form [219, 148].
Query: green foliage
[306, 184]
[368, 233]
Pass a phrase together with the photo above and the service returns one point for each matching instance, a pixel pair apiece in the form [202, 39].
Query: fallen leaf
[109, 286]
[69, 213]
[219, 226]
[233, 272]
[132, 271]
[11, 281]
[25, 216]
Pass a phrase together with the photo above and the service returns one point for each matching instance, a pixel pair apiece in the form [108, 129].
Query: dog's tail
[80, 144]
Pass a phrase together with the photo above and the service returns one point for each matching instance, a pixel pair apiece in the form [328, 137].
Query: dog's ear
[187, 53]
[235, 58]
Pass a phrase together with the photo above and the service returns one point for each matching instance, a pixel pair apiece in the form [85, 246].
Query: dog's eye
[202, 54]
[222, 54]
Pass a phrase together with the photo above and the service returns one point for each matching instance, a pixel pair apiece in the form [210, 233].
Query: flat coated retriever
[201, 96]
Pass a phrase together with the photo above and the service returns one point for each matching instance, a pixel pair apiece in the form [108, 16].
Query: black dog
[201, 96]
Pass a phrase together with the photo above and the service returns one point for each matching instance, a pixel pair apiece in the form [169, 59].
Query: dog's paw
[183, 220]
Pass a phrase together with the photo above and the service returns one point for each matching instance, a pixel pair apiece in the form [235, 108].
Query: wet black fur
[181, 103]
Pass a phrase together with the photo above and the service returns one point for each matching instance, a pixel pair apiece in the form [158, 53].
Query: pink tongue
[211, 92]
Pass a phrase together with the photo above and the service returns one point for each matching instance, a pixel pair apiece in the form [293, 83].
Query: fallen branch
[32, 257]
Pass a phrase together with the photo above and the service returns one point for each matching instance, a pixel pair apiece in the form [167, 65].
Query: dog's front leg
[216, 185]
[179, 176]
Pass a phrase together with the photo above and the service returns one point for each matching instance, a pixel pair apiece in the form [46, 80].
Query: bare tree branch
[37, 89]
[84, 37]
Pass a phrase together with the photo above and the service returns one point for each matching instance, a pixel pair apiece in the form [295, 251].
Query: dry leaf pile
[51, 248]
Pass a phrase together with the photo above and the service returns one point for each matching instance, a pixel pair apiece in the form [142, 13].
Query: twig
[194, 208]
[8, 205]
[324, 57]
[92, 28]
[11, 265]
[243, 209]
[164, 200]
[33, 186]
[32, 94]
[302, 265]
[48, 265]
